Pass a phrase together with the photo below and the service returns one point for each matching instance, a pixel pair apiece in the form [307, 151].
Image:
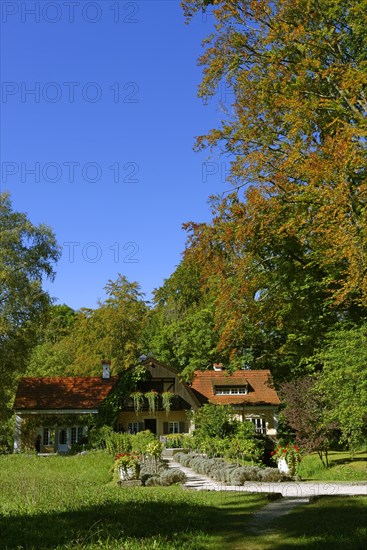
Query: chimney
[218, 366]
[106, 367]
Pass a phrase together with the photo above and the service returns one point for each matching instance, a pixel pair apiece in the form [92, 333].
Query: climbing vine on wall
[110, 408]
[31, 424]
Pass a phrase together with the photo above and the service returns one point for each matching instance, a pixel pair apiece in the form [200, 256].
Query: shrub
[291, 454]
[272, 474]
[172, 476]
[154, 473]
[225, 472]
[184, 459]
[140, 441]
[154, 448]
[97, 437]
[117, 443]
[214, 421]
[152, 467]
[151, 481]
[174, 441]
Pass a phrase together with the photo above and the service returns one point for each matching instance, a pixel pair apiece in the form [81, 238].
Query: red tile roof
[260, 387]
[62, 393]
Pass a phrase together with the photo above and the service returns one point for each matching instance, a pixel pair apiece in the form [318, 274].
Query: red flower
[272, 453]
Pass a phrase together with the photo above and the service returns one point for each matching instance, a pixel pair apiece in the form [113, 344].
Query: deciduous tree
[27, 255]
[306, 412]
[287, 249]
[343, 382]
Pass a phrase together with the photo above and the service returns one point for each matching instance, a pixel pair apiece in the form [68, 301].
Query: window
[76, 434]
[173, 427]
[63, 439]
[228, 390]
[134, 427]
[46, 436]
[260, 425]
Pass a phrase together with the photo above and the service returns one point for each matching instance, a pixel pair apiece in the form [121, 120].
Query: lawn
[72, 503]
[342, 467]
[331, 523]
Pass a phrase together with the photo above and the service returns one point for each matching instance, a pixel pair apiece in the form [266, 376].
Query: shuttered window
[173, 428]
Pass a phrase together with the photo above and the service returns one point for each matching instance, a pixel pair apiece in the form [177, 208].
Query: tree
[75, 343]
[59, 323]
[180, 329]
[112, 331]
[50, 356]
[343, 382]
[287, 249]
[306, 412]
[27, 255]
[214, 421]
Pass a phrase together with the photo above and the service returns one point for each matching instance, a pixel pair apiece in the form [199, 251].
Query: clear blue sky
[101, 150]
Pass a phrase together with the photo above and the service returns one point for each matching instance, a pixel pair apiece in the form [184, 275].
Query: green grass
[342, 467]
[331, 523]
[72, 503]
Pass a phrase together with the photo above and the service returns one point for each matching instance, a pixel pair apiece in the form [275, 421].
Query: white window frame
[46, 440]
[235, 390]
[259, 423]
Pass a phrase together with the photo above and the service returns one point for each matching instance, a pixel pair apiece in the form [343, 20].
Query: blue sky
[101, 149]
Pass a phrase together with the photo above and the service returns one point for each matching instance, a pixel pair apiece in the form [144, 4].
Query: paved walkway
[294, 490]
[295, 494]
[263, 521]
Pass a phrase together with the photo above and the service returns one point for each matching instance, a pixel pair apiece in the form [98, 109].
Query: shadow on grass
[332, 523]
[183, 524]
[346, 460]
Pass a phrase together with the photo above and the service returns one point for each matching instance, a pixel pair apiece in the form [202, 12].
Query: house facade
[164, 382]
[51, 413]
[250, 393]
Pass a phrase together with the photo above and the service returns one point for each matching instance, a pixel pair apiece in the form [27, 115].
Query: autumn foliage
[286, 249]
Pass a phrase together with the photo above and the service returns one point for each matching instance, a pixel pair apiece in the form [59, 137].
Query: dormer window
[230, 390]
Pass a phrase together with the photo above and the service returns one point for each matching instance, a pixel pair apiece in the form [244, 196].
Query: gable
[161, 371]
[80, 393]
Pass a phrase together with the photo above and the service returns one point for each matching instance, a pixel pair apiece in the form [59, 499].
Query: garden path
[291, 489]
[263, 521]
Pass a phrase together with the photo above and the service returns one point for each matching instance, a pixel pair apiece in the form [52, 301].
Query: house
[163, 381]
[53, 410]
[250, 393]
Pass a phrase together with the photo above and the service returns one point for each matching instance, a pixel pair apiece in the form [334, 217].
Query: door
[150, 424]
[63, 441]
